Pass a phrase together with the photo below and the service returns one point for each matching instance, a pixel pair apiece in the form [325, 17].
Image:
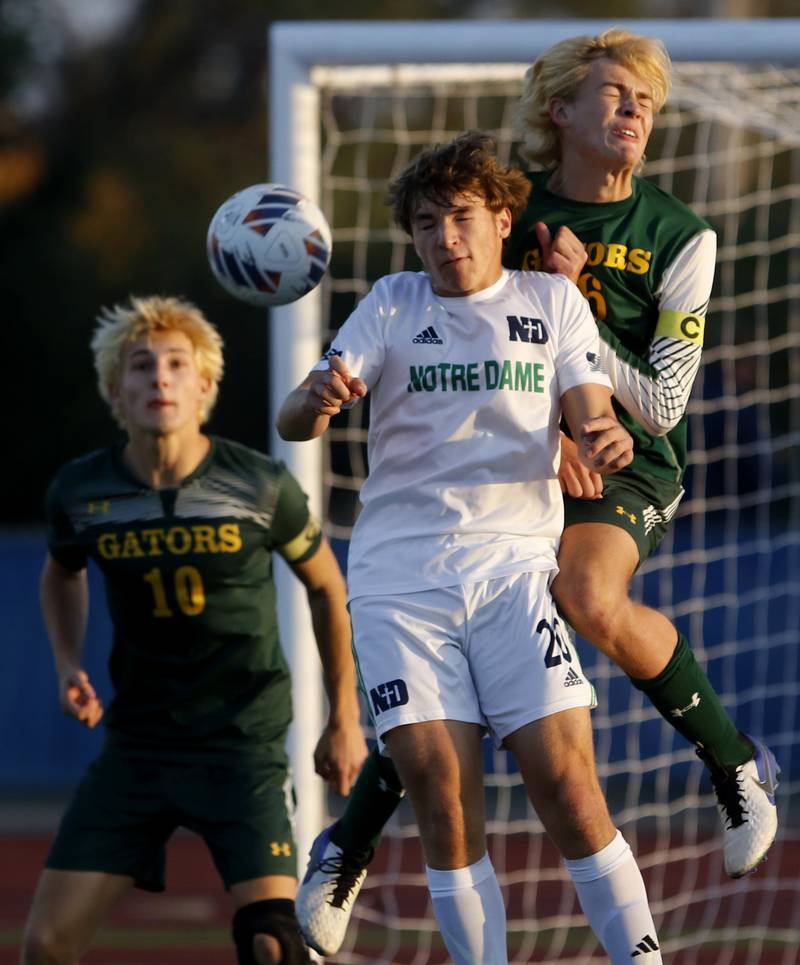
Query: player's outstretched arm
[307, 411]
[341, 749]
[64, 597]
[604, 446]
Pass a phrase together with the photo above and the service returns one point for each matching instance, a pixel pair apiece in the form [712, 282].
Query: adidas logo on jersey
[573, 678]
[427, 337]
[645, 946]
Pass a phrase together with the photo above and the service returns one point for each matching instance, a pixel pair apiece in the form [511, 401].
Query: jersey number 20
[556, 647]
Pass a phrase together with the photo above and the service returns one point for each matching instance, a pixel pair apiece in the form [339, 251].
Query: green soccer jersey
[648, 286]
[196, 662]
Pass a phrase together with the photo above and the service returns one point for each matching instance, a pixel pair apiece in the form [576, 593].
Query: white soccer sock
[613, 897]
[471, 914]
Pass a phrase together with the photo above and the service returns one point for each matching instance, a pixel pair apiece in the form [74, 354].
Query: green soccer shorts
[127, 806]
[641, 505]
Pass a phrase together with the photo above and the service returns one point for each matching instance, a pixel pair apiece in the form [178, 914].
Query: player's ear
[115, 402]
[205, 391]
[504, 221]
[558, 109]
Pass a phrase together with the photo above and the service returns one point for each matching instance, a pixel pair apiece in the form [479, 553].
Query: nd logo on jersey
[529, 330]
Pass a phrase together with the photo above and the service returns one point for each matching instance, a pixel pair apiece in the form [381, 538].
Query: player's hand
[339, 756]
[335, 387]
[78, 698]
[605, 446]
[562, 253]
[573, 477]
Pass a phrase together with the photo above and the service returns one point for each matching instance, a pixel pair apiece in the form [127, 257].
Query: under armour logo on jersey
[524, 329]
[394, 693]
[682, 711]
[427, 337]
[645, 946]
[572, 678]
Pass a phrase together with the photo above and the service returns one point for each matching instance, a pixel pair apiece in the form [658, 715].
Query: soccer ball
[268, 244]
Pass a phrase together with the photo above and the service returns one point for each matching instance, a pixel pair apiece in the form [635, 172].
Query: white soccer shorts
[492, 653]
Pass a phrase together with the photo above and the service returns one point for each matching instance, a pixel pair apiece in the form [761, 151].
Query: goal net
[728, 572]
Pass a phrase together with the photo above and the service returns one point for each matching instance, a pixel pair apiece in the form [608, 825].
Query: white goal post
[753, 183]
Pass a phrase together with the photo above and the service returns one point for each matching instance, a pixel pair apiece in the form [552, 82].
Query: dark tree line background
[114, 154]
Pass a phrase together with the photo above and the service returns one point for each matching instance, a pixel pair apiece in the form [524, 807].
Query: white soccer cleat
[328, 892]
[746, 805]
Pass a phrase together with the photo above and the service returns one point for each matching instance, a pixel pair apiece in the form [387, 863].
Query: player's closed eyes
[427, 225]
[620, 93]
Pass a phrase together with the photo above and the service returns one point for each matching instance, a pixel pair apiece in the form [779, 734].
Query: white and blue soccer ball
[268, 244]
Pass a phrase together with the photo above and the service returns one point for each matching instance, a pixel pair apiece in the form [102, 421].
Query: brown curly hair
[465, 165]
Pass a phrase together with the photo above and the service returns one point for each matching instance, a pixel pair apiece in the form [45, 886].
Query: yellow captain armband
[297, 548]
[683, 325]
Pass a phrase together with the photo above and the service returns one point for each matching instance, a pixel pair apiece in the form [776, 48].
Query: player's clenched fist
[573, 477]
[605, 446]
[562, 253]
[308, 409]
[335, 387]
[78, 698]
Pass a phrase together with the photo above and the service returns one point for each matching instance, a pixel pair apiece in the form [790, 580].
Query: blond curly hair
[561, 70]
[120, 326]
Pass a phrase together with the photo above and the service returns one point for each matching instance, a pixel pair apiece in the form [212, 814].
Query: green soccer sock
[373, 800]
[684, 697]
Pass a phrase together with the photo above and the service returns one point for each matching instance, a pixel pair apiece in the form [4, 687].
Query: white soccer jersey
[463, 441]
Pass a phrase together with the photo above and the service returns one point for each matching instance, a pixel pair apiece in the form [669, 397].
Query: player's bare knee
[438, 805]
[267, 950]
[582, 800]
[579, 822]
[592, 608]
[449, 838]
[41, 946]
[260, 920]
[569, 800]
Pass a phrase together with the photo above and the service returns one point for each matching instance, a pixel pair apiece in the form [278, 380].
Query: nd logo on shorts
[394, 693]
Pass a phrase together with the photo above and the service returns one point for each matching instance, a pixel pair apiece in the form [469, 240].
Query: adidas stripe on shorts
[491, 653]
